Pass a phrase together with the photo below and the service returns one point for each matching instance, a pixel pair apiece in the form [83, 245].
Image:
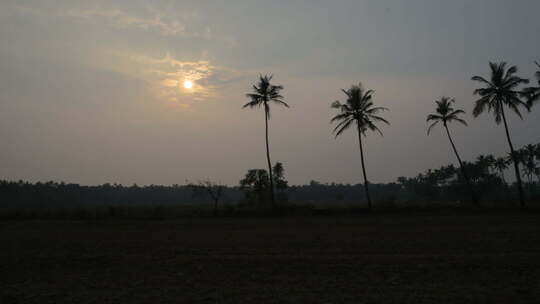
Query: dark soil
[364, 259]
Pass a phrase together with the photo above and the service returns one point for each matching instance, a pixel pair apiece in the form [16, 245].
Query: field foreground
[364, 259]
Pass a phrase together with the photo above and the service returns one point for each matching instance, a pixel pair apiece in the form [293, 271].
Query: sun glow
[188, 84]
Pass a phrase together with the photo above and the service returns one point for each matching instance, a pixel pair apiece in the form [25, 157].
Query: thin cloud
[167, 74]
[123, 19]
[153, 21]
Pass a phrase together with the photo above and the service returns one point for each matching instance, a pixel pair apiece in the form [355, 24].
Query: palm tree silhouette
[446, 113]
[532, 94]
[359, 109]
[263, 93]
[501, 164]
[500, 91]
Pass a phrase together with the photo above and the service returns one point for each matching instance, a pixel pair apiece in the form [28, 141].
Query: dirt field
[365, 259]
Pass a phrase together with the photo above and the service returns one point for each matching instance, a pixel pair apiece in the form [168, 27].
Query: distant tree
[499, 91]
[445, 113]
[528, 159]
[279, 181]
[261, 96]
[485, 162]
[210, 188]
[532, 94]
[500, 165]
[255, 185]
[358, 109]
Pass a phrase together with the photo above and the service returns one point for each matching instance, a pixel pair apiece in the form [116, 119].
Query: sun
[188, 84]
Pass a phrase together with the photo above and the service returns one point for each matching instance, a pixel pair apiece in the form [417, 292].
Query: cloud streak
[152, 20]
[166, 75]
[123, 19]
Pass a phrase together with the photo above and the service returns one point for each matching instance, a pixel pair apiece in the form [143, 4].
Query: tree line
[441, 185]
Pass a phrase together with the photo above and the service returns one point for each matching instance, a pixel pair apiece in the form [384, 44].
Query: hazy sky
[91, 91]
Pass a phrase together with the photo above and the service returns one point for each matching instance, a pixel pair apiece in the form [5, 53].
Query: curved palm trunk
[268, 159]
[463, 171]
[366, 186]
[515, 161]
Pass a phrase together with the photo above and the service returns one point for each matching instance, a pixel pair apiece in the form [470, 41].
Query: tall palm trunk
[514, 159]
[268, 157]
[366, 187]
[463, 171]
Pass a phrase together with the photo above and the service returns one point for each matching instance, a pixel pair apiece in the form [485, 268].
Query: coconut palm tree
[532, 94]
[500, 165]
[445, 113]
[264, 93]
[358, 109]
[498, 92]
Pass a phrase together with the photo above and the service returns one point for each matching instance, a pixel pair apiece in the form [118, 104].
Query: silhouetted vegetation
[256, 185]
[445, 114]
[262, 95]
[483, 179]
[500, 91]
[359, 109]
[209, 188]
[445, 185]
[532, 94]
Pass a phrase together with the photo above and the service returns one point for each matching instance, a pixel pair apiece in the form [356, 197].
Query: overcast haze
[91, 91]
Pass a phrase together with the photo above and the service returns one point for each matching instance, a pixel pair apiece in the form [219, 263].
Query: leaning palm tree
[358, 109]
[263, 93]
[500, 165]
[445, 113]
[532, 94]
[497, 92]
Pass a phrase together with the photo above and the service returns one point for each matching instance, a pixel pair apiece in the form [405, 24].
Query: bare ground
[364, 259]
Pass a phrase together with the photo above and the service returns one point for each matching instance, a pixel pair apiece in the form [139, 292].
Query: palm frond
[514, 107]
[431, 117]
[252, 104]
[374, 128]
[446, 112]
[281, 102]
[378, 118]
[460, 120]
[432, 126]
[264, 92]
[481, 104]
[358, 108]
[336, 104]
[456, 112]
[340, 117]
[344, 127]
[481, 79]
